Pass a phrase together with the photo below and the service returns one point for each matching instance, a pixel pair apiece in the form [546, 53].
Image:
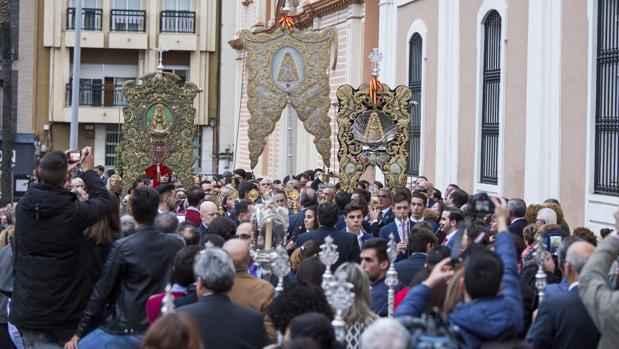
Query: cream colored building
[117, 42]
[356, 22]
[23, 77]
[515, 97]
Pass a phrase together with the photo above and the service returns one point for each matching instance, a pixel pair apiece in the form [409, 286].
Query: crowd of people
[86, 264]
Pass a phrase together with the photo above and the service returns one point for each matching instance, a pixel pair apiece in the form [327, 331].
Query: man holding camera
[492, 307]
[51, 284]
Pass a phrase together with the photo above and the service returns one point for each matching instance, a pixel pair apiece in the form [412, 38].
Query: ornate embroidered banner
[159, 126]
[288, 66]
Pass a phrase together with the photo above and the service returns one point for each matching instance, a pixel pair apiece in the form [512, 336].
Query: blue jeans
[99, 339]
[45, 339]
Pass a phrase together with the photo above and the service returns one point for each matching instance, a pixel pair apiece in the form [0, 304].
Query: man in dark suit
[517, 209]
[418, 206]
[222, 323]
[401, 225]
[375, 263]
[386, 215]
[450, 219]
[563, 321]
[347, 244]
[422, 241]
[353, 214]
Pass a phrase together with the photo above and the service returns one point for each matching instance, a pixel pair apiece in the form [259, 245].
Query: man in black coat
[222, 324]
[517, 209]
[347, 245]
[422, 241]
[563, 321]
[51, 285]
[137, 267]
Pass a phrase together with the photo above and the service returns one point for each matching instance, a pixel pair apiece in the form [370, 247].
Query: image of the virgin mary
[159, 123]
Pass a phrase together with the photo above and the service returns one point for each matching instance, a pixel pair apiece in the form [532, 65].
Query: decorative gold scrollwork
[373, 134]
[159, 126]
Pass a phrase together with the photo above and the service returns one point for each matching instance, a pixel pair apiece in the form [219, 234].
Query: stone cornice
[321, 8]
[305, 19]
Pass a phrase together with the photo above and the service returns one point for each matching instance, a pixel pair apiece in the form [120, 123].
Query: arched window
[607, 100]
[414, 83]
[490, 100]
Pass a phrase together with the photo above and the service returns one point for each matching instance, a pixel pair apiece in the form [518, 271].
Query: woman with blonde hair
[173, 331]
[359, 316]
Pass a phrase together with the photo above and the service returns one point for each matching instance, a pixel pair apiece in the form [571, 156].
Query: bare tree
[6, 55]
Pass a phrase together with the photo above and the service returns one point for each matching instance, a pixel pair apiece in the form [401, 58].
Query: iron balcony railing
[98, 95]
[128, 21]
[178, 22]
[91, 18]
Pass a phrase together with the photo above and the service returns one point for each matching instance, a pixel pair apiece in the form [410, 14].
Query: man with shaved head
[208, 212]
[563, 321]
[248, 290]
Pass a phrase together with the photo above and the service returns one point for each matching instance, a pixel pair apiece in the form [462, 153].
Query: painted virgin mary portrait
[159, 120]
[374, 130]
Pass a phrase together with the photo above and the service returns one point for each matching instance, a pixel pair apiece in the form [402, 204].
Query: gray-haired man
[222, 323]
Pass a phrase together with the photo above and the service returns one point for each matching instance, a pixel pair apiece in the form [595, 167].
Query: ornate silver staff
[392, 275]
[540, 277]
[328, 256]
[167, 306]
[280, 265]
[340, 297]
[270, 226]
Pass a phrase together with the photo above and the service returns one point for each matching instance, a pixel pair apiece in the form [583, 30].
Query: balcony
[95, 94]
[128, 21]
[92, 18]
[178, 22]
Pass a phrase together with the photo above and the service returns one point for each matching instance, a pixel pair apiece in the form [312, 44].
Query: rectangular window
[177, 5]
[100, 92]
[127, 16]
[414, 83]
[178, 17]
[128, 4]
[112, 137]
[92, 15]
[491, 100]
[181, 71]
[606, 178]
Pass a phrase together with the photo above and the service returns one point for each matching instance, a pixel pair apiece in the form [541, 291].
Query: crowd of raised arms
[89, 259]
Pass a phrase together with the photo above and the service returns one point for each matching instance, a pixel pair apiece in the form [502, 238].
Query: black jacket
[225, 325]
[138, 266]
[408, 268]
[51, 285]
[563, 322]
[347, 244]
[517, 226]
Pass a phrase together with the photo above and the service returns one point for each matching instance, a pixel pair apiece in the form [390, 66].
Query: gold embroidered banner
[159, 126]
[373, 133]
[288, 66]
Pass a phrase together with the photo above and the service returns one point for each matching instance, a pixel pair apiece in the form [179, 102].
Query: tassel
[286, 21]
[375, 87]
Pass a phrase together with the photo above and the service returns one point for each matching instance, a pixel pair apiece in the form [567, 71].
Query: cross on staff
[160, 66]
[375, 57]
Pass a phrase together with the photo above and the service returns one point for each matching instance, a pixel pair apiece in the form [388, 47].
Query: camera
[480, 205]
